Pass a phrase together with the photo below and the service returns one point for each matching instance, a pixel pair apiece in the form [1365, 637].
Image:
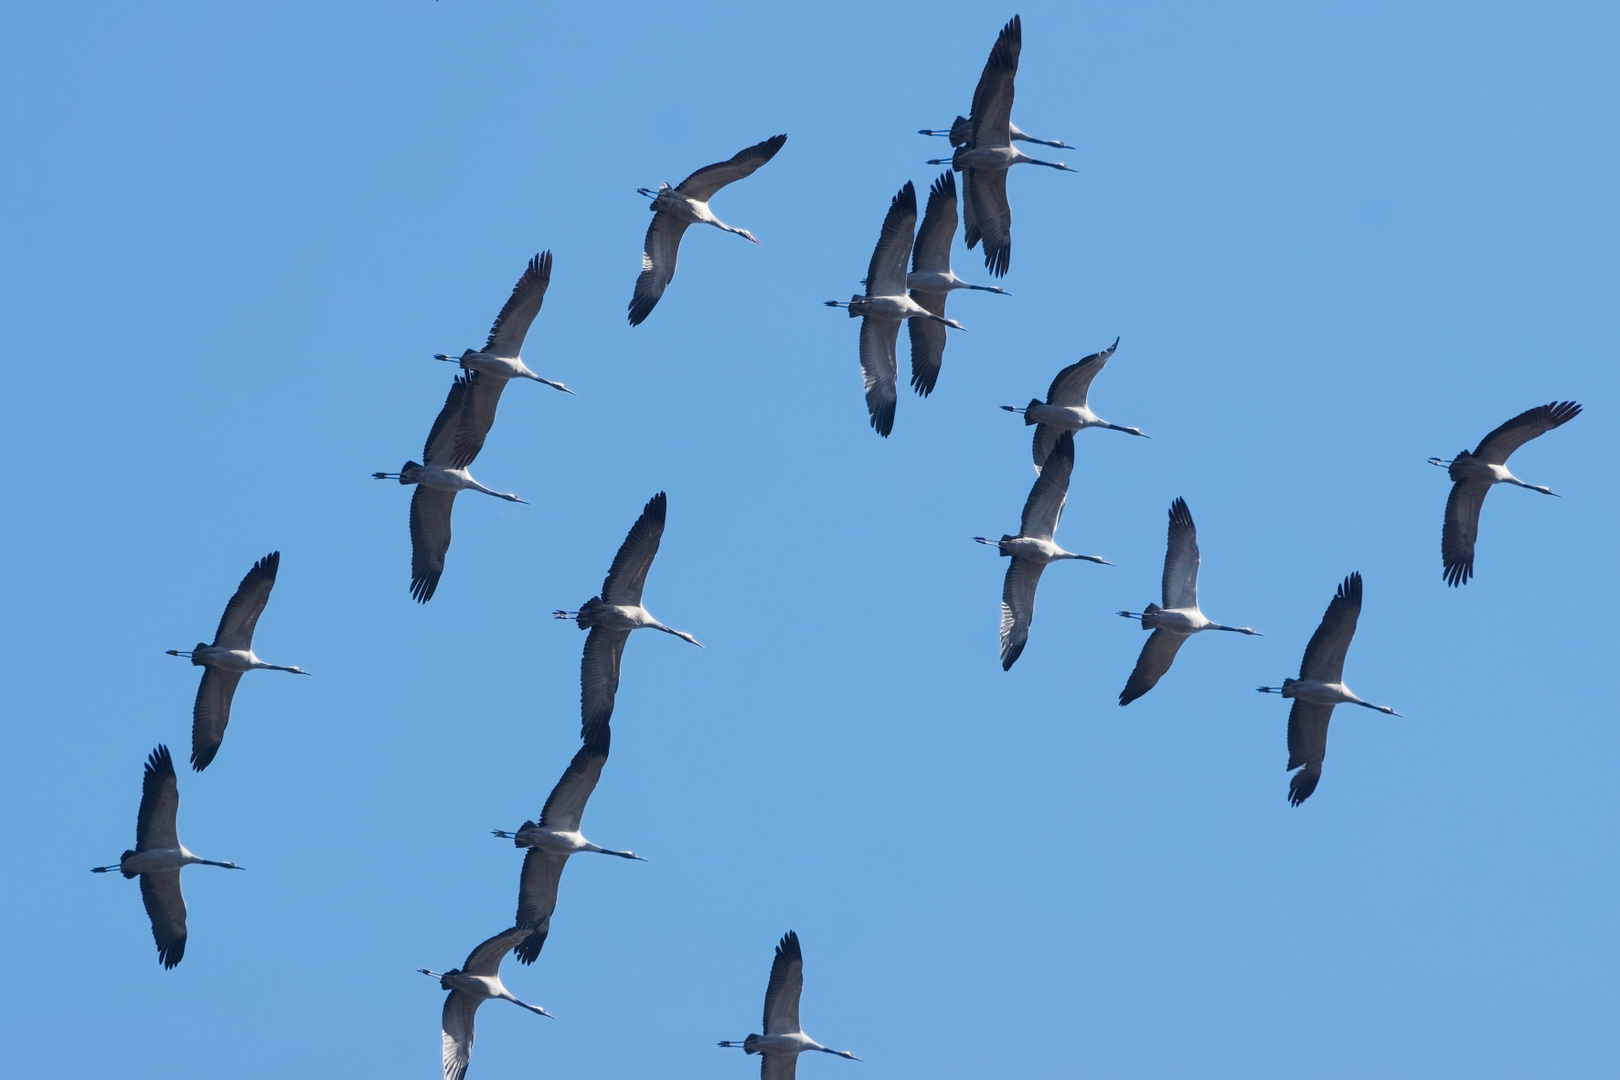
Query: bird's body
[229, 658]
[1067, 405]
[470, 985]
[960, 133]
[1474, 475]
[931, 282]
[783, 1040]
[676, 208]
[986, 153]
[1179, 617]
[453, 443]
[554, 838]
[159, 856]
[1319, 688]
[501, 358]
[1034, 548]
[884, 306]
[612, 615]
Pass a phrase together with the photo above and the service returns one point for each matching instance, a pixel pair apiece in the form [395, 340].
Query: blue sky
[1334, 241]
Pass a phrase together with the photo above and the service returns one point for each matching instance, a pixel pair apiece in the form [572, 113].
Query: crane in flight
[554, 838]
[228, 659]
[961, 130]
[1319, 688]
[617, 610]
[1066, 407]
[1033, 549]
[159, 856]
[453, 442]
[1475, 474]
[932, 281]
[1179, 618]
[674, 208]
[470, 985]
[501, 358]
[885, 305]
[784, 1040]
[986, 155]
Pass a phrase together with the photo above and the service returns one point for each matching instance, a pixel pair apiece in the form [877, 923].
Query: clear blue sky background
[1334, 240]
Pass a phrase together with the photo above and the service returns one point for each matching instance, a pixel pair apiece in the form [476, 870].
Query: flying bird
[1320, 686]
[555, 837]
[159, 856]
[1179, 618]
[931, 281]
[1476, 473]
[470, 985]
[225, 661]
[961, 131]
[885, 305]
[501, 359]
[779, 1048]
[1066, 408]
[457, 436]
[1032, 549]
[674, 208]
[611, 616]
[984, 158]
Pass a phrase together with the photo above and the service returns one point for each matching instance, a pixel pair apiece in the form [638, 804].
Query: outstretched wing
[933, 248]
[512, 324]
[993, 97]
[1158, 653]
[440, 448]
[210, 714]
[160, 892]
[476, 417]
[787, 983]
[537, 899]
[566, 804]
[1461, 529]
[658, 255]
[1499, 445]
[160, 802]
[1180, 584]
[880, 370]
[628, 574]
[247, 604]
[1071, 387]
[1324, 655]
[886, 272]
[456, 1030]
[989, 216]
[1307, 746]
[599, 675]
[703, 184]
[1017, 608]
[927, 342]
[430, 539]
[485, 959]
[1047, 495]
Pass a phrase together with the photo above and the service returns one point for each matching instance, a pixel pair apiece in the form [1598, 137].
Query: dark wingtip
[423, 588]
[883, 419]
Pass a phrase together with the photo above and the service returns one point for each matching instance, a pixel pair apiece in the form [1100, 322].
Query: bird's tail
[407, 469]
[121, 858]
[1032, 403]
[588, 612]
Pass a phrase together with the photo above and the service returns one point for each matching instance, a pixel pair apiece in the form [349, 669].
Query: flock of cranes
[893, 293]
